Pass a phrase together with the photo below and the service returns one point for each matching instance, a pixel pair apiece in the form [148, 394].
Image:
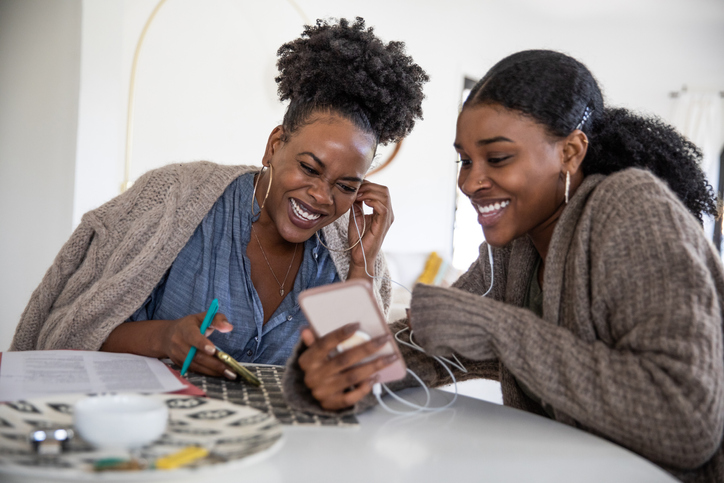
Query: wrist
[358, 272]
[161, 343]
[144, 338]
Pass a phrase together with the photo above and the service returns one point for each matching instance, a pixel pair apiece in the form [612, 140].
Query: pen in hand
[213, 308]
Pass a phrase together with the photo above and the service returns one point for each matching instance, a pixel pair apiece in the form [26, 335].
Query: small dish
[121, 421]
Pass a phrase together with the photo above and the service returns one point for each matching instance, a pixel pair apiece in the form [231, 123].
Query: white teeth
[303, 214]
[494, 207]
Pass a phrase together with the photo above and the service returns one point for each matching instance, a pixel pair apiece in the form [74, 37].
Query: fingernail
[380, 341]
[229, 374]
[351, 328]
[390, 359]
[210, 349]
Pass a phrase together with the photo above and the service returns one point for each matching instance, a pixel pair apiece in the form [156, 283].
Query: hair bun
[345, 67]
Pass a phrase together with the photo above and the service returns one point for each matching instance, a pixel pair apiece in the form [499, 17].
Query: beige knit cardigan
[630, 344]
[120, 251]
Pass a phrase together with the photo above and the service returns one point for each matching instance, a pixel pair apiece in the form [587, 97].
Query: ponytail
[620, 139]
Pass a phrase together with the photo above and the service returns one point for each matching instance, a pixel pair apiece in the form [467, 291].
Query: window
[467, 233]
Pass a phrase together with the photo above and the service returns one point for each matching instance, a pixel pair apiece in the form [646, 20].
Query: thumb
[308, 337]
[220, 323]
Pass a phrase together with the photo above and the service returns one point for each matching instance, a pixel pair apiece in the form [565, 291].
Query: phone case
[331, 306]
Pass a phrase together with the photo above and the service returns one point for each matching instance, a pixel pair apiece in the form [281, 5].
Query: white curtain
[700, 117]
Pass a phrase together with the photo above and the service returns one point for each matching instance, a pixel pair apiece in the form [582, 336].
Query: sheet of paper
[29, 374]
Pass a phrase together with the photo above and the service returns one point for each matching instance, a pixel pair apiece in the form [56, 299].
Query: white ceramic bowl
[121, 421]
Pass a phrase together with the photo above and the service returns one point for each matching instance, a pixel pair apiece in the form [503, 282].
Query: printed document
[30, 374]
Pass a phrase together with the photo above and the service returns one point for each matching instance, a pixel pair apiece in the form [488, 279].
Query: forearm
[377, 267]
[635, 393]
[142, 337]
[432, 372]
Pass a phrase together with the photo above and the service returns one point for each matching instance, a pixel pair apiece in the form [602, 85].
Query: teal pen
[213, 308]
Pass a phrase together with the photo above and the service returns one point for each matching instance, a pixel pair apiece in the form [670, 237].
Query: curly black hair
[561, 94]
[346, 69]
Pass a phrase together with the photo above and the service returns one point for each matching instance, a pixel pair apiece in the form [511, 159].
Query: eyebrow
[323, 166]
[485, 142]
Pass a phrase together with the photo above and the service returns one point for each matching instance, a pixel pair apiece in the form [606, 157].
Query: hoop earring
[364, 227]
[568, 184]
[256, 183]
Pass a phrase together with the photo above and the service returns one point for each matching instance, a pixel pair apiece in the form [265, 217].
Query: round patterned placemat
[234, 435]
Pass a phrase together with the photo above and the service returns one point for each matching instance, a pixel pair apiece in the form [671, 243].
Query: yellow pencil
[181, 458]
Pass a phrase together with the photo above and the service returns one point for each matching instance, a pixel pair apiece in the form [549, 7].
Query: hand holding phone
[330, 307]
[340, 366]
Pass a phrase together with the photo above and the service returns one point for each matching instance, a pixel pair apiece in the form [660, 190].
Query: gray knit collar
[560, 244]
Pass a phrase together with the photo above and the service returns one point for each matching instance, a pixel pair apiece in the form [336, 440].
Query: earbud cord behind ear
[377, 387]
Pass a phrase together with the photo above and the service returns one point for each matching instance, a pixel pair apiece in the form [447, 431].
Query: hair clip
[586, 114]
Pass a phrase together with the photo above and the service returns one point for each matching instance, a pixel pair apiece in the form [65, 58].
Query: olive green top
[534, 303]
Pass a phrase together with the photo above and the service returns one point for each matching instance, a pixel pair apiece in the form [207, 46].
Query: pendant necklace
[281, 285]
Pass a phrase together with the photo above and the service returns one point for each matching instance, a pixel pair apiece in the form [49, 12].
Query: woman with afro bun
[138, 273]
[596, 300]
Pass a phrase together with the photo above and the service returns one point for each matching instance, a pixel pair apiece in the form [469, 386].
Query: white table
[472, 441]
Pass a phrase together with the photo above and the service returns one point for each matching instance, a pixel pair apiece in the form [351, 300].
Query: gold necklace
[281, 285]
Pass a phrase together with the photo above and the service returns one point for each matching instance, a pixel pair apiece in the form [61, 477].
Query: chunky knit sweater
[120, 251]
[630, 343]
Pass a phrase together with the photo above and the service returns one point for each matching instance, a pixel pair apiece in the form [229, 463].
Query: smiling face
[513, 172]
[317, 172]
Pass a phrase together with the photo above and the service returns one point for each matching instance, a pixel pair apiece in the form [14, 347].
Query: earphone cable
[377, 388]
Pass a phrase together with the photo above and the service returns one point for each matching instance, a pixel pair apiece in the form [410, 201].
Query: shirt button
[315, 255]
[256, 338]
[250, 353]
[289, 317]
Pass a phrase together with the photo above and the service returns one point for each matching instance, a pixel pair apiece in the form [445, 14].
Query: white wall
[39, 79]
[101, 134]
[205, 90]
[205, 85]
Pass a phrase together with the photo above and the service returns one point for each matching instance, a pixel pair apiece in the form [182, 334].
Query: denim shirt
[214, 264]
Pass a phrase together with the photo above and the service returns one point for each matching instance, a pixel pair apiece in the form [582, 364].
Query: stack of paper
[25, 375]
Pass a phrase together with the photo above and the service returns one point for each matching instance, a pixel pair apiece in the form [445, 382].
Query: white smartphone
[329, 307]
